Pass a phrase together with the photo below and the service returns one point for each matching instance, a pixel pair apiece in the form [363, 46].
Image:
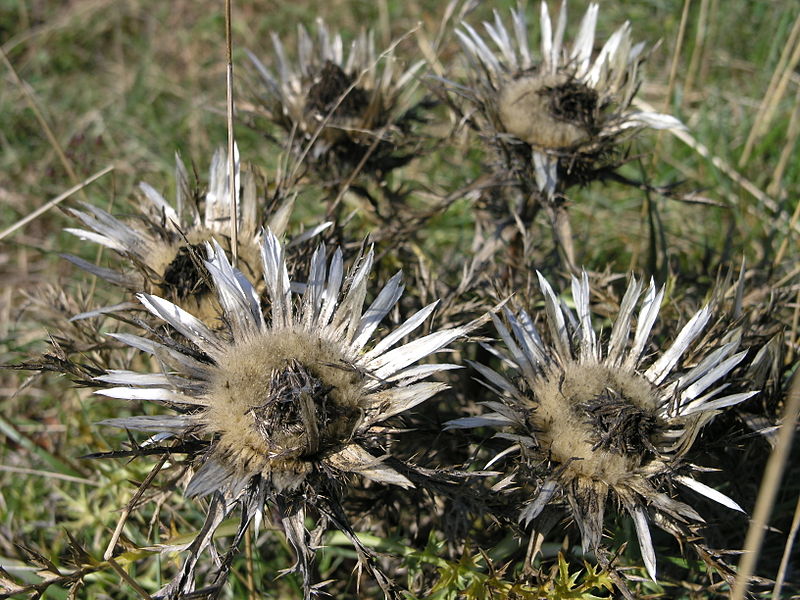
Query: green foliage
[566, 585]
[475, 577]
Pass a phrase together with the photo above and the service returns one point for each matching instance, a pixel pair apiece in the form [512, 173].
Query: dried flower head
[596, 425]
[165, 244]
[561, 115]
[292, 405]
[342, 108]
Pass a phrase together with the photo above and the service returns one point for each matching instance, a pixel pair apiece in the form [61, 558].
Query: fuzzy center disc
[550, 111]
[598, 420]
[285, 397]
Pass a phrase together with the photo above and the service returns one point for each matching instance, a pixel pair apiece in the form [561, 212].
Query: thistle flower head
[166, 243]
[342, 106]
[564, 110]
[597, 422]
[291, 404]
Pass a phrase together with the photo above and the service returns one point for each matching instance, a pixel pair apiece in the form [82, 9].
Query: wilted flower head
[166, 243]
[292, 404]
[342, 106]
[562, 113]
[598, 424]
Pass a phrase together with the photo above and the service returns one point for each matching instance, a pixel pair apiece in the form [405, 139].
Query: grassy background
[131, 82]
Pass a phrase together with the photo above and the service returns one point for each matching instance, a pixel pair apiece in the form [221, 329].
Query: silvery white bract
[293, 403]
[341, 104]
[165, 243]
[569, 107]
[608, 421]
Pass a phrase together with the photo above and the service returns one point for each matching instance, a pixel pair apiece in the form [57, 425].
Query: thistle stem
[231, 145]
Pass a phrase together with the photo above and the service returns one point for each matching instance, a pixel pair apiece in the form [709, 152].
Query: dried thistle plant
[289, 407]
[344, 110]
[557, 119]
[165, 243]
[592, 425]
[564, 111]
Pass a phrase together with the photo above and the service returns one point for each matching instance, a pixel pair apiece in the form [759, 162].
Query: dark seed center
[297, 415]
[618, 425]
[186, 275]
[574, 103]
[329, 86]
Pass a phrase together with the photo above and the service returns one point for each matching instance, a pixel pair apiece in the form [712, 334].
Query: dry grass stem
[767, 493]
[49, 474]
[249, 566]
[783, 84]
[712, 24]
[55, 201]
[794, 130]
[775, 186]
[430, 50]
[793, 332]
[775, 89]
[231, 141]
[764, 199]
[34, 105]
[129, 580]
[700, 37]
[780, 578]
[108, 555]
[673, 72]
[676, 55]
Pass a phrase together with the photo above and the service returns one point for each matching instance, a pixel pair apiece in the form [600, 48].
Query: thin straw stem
[764, 112]
[673, 70]
[767, 493]
[231, 144]
[700, 38]
[774, 187]
[60, 198]
[787, 553]
[37, 112]
[783, 219]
